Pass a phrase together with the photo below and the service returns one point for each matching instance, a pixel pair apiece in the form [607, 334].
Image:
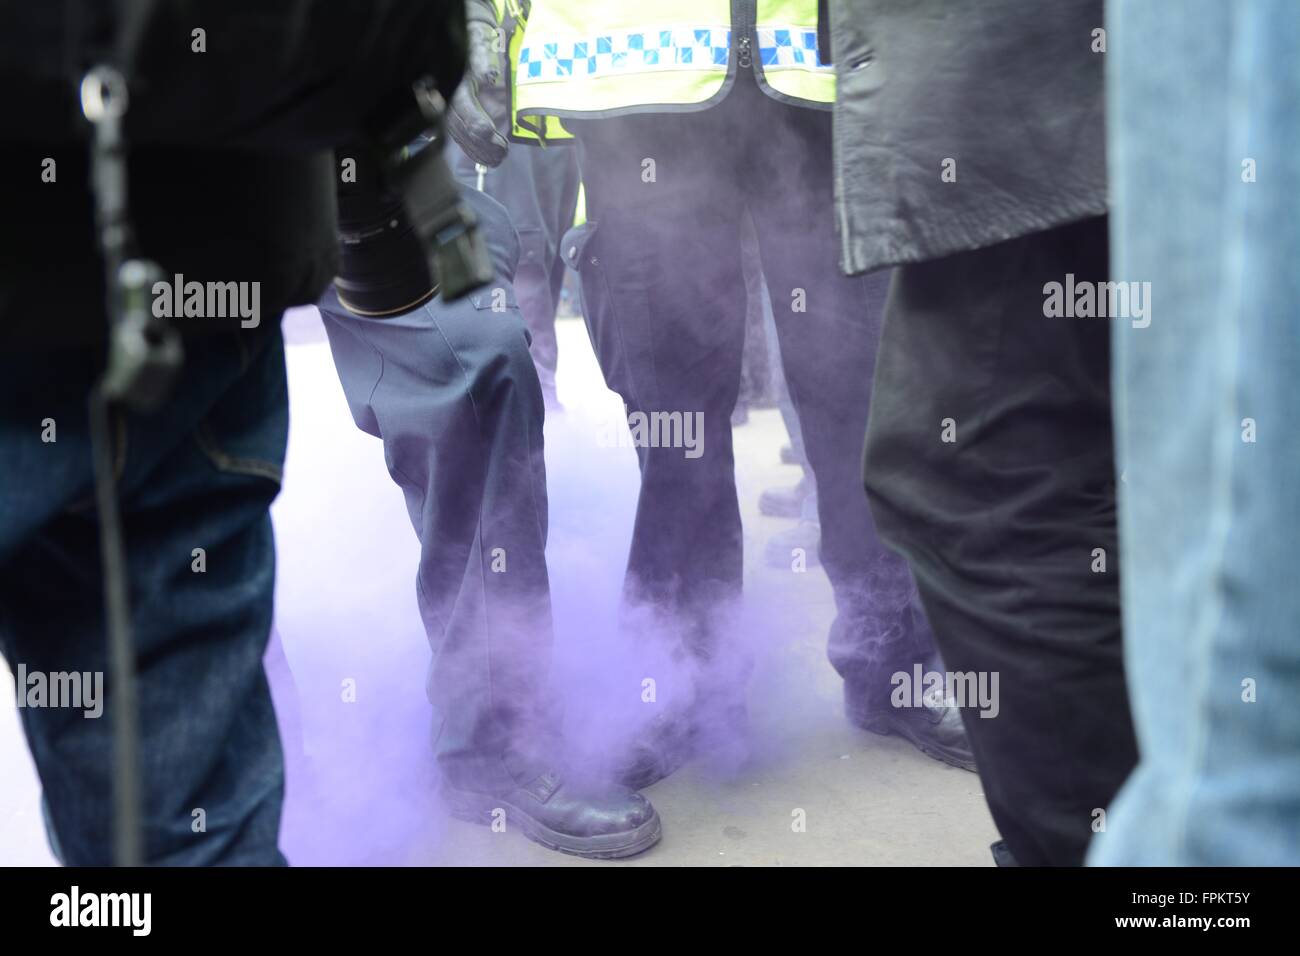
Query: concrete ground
[347, 669]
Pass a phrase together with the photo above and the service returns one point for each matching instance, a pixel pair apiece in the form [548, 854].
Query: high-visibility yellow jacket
[601, 58]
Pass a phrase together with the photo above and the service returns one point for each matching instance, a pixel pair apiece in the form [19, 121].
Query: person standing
[1204, 160]
[969, 154]
[228, 181]
[687, 116]
[450, 388]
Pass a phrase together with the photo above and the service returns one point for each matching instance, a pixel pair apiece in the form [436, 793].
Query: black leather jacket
[1009, 91]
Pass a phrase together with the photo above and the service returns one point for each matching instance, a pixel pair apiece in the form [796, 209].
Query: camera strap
[144, 357]
[144, 354]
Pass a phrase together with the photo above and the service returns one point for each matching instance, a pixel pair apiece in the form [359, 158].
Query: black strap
[824, 31]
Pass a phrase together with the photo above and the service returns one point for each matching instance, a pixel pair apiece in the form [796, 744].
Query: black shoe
[1002, 854]
[663, 747]
[715, 727]
[607, 826]
[785, 502]
[935, 728]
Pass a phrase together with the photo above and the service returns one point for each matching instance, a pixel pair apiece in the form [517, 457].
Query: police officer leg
[461, 421]
[452, 391]
[664, 302]
[829, 327]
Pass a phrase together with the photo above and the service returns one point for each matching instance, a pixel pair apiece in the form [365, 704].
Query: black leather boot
[1002, 855]
[664, 746]
[935, 728]
[715, 727]
[606, 824]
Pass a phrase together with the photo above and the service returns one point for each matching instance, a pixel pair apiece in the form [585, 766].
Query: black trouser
[1002, 523]
[665, 305]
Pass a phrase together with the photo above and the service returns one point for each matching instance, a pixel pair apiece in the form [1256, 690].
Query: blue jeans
[1206, 404]
[200, 473]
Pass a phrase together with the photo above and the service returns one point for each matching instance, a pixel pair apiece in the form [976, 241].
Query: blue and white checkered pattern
[632, 51]
[794, 48]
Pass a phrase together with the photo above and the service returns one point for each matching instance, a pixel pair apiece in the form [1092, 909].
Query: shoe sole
[479, 808]
[888, 728]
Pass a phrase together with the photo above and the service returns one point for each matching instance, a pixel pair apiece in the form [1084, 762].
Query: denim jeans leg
[195, 483]
[1205, 157]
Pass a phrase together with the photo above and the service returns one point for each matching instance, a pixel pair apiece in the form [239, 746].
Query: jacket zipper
[744, 13]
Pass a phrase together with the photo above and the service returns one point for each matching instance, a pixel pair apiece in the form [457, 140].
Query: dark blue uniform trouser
[451, 390]
[539, 189]
[664, 296]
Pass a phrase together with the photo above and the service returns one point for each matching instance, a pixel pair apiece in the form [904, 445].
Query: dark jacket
[209, 215]
[231, 173]
[1009, 89]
